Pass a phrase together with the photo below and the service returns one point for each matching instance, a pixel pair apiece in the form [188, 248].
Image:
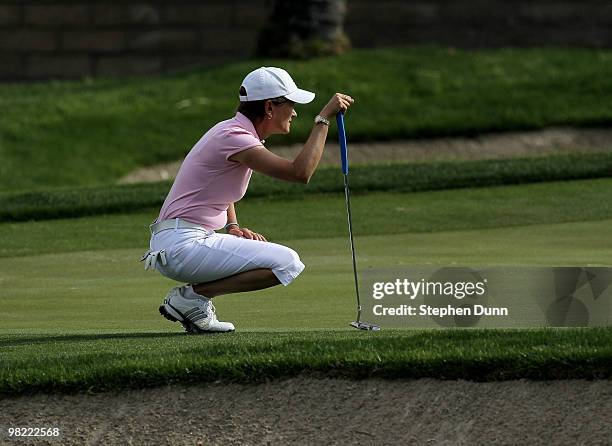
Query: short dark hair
[256, 110]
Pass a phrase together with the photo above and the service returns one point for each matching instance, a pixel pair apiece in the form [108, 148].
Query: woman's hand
[338, 103]
[246, 233]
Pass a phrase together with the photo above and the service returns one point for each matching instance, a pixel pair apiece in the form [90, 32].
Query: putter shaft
[347, 196]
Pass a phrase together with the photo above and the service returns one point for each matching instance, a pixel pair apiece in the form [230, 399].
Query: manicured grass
[87, 320]
[70, 202]
[93, 131]
[323, 215]
[97, 362]
[108, 291]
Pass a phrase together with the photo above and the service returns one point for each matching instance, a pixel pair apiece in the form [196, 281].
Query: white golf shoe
[197, 314]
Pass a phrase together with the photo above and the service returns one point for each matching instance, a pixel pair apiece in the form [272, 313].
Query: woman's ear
[268, 109]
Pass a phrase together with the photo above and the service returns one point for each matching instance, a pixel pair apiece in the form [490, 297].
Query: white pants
[197, 256]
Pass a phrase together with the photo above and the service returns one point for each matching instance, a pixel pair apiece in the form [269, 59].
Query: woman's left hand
[246, 233]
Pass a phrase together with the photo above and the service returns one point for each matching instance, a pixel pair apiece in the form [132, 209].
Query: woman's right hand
[338, 103]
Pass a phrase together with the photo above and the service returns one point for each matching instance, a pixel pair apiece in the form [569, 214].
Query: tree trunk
[304, 29]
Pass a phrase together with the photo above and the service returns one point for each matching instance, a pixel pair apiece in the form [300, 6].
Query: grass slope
[69, 202]
[324, 215]
[110, 362]
[93, 131]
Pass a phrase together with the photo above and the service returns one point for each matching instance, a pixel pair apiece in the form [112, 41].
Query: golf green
[108, 291]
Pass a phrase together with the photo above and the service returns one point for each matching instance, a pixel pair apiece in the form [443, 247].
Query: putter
[344, 157]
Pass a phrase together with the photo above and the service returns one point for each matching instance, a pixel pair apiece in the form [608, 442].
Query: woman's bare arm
[301, 169]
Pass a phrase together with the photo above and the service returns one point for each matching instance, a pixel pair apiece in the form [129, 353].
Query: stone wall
[41, 39]
[481, 23]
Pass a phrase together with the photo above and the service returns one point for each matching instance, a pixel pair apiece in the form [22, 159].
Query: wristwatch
[321, 120]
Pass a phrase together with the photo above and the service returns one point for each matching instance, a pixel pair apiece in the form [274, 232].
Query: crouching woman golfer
[215, 174]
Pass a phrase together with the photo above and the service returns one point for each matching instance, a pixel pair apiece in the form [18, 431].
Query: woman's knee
[290, 260]
[286, 265]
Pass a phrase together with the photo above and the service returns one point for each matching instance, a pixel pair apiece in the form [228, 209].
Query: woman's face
[282, 114]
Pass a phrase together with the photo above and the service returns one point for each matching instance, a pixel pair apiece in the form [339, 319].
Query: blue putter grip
[342, 141]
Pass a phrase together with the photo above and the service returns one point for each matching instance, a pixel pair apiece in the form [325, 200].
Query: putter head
[365, 326]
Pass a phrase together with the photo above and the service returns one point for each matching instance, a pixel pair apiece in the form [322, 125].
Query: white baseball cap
[271, 82]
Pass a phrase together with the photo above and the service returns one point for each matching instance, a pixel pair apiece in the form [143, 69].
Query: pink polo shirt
[207, 181]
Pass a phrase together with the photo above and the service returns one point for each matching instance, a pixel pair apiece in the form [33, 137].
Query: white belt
[152, 257]
[176, 223]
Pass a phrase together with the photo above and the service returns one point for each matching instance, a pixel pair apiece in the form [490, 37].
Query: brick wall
[42, 39]
[68, 39]
[481, 23]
